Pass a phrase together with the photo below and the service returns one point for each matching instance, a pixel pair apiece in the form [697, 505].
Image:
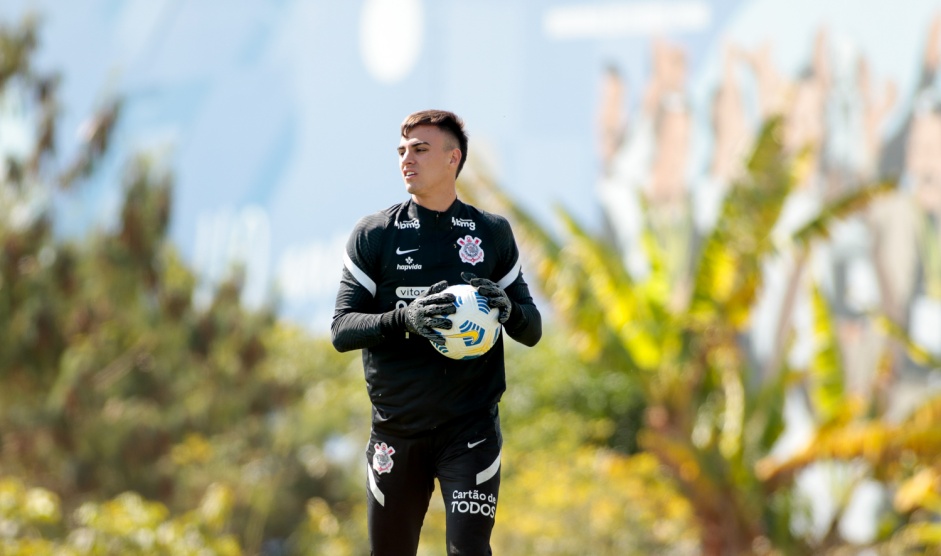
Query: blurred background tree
[116, 386]
[712, 416]
[134, 421]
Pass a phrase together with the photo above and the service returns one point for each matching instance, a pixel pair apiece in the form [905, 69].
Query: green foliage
[729, 272]
[125, 525]
[115, 381]
[135, 421]
[825, 375]
[115, 385]
[563, 490]
[711, 416]
[685, 359]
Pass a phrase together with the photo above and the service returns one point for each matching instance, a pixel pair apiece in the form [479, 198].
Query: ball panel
[475, 326]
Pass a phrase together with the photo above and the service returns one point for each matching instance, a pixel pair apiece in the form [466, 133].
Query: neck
[440, 202]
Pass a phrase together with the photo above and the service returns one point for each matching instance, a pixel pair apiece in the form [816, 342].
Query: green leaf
[729, 272]
[825, 374]
[847, 204]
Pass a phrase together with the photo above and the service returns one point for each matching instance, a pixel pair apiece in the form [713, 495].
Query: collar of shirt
[433, 219]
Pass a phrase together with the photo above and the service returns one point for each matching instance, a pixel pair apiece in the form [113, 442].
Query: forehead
[423, 134]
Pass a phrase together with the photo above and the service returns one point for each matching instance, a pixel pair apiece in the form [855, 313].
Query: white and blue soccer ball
[474, 326]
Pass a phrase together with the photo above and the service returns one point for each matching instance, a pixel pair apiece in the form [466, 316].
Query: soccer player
[432, 417]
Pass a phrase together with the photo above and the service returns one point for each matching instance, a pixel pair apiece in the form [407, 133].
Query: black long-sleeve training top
[393, 256]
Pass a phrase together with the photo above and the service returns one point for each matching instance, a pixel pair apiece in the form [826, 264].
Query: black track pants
[465, 458]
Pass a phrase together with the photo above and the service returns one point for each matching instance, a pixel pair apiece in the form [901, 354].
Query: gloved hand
[496, 297]
[424, 313]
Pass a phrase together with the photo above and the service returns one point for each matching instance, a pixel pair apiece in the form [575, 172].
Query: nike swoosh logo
[399, 251]
[472, 444]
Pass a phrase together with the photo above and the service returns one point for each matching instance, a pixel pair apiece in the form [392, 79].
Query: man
[433, 417]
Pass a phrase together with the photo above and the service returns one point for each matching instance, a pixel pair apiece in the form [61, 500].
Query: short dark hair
[446, 121]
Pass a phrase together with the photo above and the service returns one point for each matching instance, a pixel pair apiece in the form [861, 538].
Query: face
[428, 159]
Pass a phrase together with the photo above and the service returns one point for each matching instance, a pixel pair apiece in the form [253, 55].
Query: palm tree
[712, 415]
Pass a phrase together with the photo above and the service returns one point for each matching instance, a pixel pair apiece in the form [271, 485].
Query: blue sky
[279, 119]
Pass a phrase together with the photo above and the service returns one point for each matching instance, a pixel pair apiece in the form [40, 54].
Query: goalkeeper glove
[496, 297]
[425, 313]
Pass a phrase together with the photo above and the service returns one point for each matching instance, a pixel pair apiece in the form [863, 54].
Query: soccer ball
[474, 326]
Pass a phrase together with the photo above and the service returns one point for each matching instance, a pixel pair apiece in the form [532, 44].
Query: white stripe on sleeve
[511, 276]
[360, 276]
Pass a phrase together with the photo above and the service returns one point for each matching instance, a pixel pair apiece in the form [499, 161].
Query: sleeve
[525, 322]
[356, 324]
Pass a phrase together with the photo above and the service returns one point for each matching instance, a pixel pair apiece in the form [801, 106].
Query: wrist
[392, 321]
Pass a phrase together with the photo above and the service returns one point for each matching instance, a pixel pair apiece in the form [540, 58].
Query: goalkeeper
[432, 417]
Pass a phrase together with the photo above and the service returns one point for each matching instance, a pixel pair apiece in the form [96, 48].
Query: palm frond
[765, 412]
[567, 286]
[876, 442]
[922, 490]
[729, 271]
[915, 538]
[918, 354]
[926, 415]
[628, 315]
[825, 374]
[849, 203]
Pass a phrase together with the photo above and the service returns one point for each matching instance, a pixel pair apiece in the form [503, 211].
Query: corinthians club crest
[382, 459]
[470, 250]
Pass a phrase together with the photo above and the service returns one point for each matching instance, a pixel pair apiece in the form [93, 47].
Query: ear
[455, 156]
